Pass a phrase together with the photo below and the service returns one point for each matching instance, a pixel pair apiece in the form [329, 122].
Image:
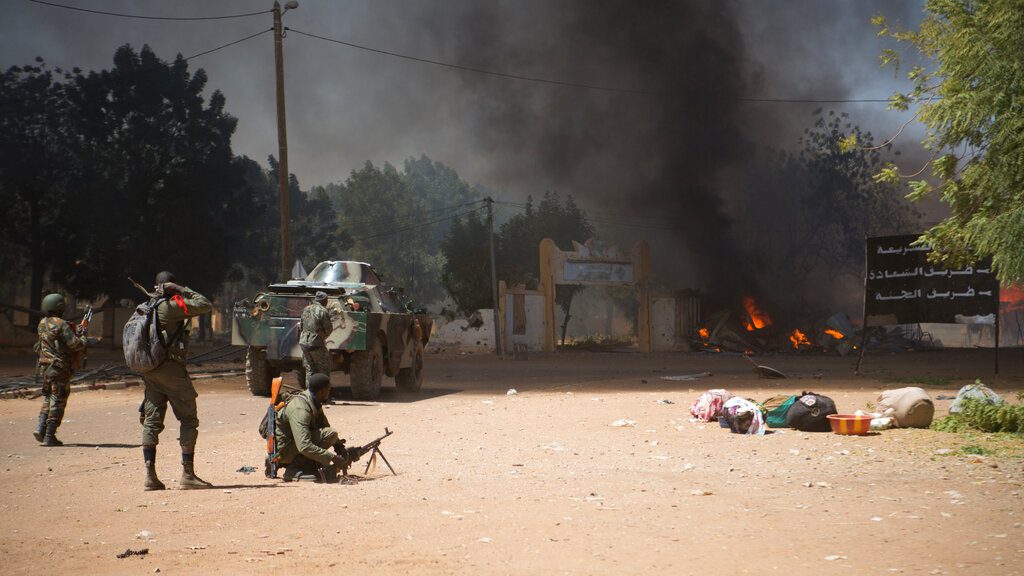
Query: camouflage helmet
[53, 304]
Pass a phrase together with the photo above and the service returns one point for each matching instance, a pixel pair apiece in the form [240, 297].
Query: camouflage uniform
[57, 346]
[315, 325]
[170, 381]
[302, 429]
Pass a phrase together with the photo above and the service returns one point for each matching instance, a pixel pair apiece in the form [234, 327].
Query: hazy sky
[678, 153]
[346, 106]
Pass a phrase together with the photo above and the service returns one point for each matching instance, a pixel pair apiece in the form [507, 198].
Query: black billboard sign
[902, 287]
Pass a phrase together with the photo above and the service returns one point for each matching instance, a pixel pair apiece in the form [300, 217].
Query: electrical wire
[415, 226]
[142, 17]
[573, 84]
[358, 228]
[372, 222]
[239, 41]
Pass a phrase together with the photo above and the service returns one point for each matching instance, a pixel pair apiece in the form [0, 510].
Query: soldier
[57, 345]
[315, 324]
[170, 381]
[303, 435]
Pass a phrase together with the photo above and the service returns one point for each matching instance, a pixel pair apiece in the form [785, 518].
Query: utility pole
[494, 276]
[282, 144]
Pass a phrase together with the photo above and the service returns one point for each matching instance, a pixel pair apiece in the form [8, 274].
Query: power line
[414, 226]
[239, 41]
[572, 84]
[366, 224]
[142, 17]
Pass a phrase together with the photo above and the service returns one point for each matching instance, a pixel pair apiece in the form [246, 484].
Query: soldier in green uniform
[170, 382]
[315, 325]
[303, 435]
[57, 345]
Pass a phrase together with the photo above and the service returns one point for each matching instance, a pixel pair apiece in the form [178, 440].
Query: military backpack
[145, 347]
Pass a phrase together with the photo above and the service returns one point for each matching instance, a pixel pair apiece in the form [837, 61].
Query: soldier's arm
[326, 327]
[300, 425]
[74, 343]
[195, 304]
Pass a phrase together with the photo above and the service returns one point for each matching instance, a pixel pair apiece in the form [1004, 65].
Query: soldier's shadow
[108, 445]
[239, 486]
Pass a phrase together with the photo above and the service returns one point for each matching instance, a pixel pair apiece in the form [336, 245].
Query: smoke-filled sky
[346, 105]
[664, 154]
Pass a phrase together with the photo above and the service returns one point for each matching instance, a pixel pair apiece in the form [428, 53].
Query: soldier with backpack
[167, 381]
[58, 342]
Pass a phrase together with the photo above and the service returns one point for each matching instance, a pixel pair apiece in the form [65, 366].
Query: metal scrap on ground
[764, 371]
[687, 377]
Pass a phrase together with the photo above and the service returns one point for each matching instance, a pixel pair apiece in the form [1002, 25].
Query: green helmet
[53, 304]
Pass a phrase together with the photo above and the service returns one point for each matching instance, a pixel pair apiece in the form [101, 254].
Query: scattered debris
[764, 371]
[835, 557]
[129, 552]
[665, 401]
[144, 535]
[511, 392]
[701, 492]
[484, 539]
[622, 422]
[247, 469]
[687, 377]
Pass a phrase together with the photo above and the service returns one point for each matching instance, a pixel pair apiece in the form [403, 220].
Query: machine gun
[373, 448]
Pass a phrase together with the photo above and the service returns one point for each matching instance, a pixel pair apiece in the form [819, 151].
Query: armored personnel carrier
[376, 333]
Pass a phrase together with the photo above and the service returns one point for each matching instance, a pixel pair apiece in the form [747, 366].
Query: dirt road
[538, 482]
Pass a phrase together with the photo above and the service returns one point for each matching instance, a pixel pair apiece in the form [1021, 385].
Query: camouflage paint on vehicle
[273, 323]
[270, 322]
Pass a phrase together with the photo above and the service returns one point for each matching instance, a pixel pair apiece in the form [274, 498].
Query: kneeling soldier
[57, 345]
[303, 435]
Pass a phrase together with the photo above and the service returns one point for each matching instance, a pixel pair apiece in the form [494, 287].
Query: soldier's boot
[40, 429]
[189, 480]
[50, 439]
[152, 482]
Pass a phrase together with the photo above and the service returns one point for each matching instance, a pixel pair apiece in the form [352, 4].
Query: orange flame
[758, 318]
[704, 334]
[834, 333]
[799, 339]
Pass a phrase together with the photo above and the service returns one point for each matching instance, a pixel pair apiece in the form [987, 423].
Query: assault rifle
[356, 452]
[81, 358]
[83, 326]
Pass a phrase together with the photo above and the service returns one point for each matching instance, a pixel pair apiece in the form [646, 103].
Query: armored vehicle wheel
[258, 373]
[411, 379]
[367, 371]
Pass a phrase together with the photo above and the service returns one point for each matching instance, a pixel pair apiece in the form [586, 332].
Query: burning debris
[758, 319]
[751, 330]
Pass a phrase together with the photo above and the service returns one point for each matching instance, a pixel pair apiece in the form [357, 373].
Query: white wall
[458, 336]
[533, 304]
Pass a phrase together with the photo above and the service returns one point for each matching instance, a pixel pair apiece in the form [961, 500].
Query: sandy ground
[534, 483]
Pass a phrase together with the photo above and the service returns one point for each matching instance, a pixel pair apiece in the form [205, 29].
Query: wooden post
[282, 150]
[547, 287]
[641, 272]
[997, 330]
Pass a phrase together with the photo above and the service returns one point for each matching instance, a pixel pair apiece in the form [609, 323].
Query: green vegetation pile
[983, 416]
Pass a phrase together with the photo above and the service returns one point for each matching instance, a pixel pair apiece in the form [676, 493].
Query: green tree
[34, 172]
[839, 203]
[969, 94]
[466, 273]
[155, 185]
[399, 219]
